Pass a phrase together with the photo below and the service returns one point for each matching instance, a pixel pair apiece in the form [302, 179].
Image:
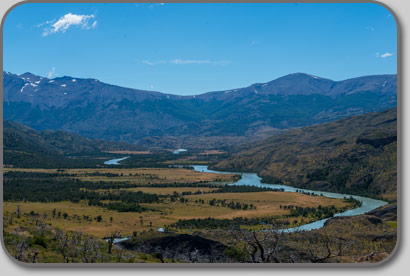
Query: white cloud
[371, 28]
[52, 73]
[68, 20]
[186, 61]
[189, 61]
[156, 5]
[385, 55]
[45, 23]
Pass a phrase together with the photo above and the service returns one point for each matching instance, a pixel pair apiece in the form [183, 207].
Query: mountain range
[218, 119]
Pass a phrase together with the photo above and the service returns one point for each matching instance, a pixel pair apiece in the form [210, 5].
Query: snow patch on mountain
[24, 86]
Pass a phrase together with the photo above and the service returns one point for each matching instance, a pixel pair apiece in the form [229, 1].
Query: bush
[38, 240]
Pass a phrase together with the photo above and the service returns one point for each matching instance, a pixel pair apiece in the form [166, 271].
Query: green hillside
[26, 147]
[356, 155]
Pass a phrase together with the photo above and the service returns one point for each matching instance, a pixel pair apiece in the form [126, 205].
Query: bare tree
[62, 240]
[34, 259]
[89, 250]
[262, 246]
[322, 248]
[21, 249]
[113, 236]
[18, 211]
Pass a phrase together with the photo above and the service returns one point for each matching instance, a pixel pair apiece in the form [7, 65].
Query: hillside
[26, 147]
[356, 155]
[211, 120]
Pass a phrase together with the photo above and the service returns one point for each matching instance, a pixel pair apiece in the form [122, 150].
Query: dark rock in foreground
[186, 248]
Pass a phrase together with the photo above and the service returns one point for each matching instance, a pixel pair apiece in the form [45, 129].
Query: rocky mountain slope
[217, 119]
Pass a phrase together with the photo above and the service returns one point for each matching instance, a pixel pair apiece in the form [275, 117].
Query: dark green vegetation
[56, 187]
[356, 155]
[26, 147]
[211, 120]
[278, 221]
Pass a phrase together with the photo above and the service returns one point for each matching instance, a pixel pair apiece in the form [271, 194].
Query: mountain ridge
[218, 119]
[286, 79]
[354, 155]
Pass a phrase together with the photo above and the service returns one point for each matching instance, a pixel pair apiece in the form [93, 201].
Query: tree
[18, 211]
[113, 236]
[322, 247]
[262, 246]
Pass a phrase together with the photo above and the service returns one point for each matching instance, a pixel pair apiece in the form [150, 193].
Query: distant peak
[28, 75]
[300, 74]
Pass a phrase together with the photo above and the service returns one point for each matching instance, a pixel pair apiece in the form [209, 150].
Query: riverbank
[252, 179]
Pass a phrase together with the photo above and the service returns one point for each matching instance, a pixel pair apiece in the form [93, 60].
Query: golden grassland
[268, 203]
[139, 175]
[162, 214]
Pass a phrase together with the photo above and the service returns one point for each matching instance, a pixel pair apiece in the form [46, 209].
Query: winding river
[252, 179]
[115, 161]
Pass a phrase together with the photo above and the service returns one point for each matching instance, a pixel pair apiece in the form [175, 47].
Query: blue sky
[194, 48]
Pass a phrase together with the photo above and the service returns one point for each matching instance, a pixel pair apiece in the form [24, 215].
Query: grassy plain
[162, 214]
[137, 175]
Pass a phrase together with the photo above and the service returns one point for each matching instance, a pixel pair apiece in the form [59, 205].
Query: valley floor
[45, 210]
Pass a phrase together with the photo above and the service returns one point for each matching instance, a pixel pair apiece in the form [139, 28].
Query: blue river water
[252, 179]
[115, 161]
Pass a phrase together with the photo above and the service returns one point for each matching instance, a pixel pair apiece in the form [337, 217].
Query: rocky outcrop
[184, 247]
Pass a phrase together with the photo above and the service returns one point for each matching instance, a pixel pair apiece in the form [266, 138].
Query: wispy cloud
[186, 61]
[385, 55]
[52, 73]
[45, 23]
[65, 22]
[370, 28]
[153, 5]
